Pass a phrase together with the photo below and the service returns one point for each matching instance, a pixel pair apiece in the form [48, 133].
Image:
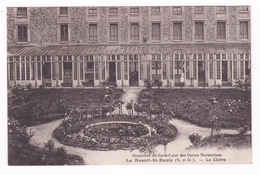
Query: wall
[44, 24]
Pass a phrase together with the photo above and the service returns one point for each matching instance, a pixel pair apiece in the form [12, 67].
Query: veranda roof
[59, 50]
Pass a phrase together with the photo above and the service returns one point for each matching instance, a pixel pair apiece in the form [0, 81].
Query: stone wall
[124, 24]
[145, 26]
[10, 26]
[166, 24]
[232, 23]
[210, 24]
[78, 25]
[43, 25]
[103, 25]
[188, 24]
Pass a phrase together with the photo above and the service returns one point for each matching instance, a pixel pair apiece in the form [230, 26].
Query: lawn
[37, 106]
[233, 108]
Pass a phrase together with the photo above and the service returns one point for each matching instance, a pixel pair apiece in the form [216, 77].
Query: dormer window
[221, 9]
[155, 10]
[113, 10]
[22, 12]
[199, 9]
[243, 9]
[63, 10]
[177, 9]
[92, 11]
[134, 10]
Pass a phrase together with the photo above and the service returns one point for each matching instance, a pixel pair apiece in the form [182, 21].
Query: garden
[29, 107]
[94, 119]
[104, 129]
[211, 108]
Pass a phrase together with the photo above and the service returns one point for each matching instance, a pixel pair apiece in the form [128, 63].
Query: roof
[57, 50]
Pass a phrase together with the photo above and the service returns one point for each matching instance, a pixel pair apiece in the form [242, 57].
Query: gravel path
[43, 133]
[130, 94]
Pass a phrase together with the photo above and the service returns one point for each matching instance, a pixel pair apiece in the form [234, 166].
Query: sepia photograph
[129, 87]
[126, 85]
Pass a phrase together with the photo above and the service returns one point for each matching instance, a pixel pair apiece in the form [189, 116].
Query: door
[67, 77]
[224, 71]
[46, 73]
[201, 71]
[112, 72]
[133, 74]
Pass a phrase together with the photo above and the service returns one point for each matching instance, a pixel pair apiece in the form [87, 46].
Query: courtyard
[189, 111]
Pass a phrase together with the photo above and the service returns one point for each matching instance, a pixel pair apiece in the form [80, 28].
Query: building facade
[178, 46]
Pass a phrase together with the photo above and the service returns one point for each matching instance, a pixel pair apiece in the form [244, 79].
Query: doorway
[67, 77]
[46, 73]
[112, 72]
[201, 71]
[224, 71]
[133, 74]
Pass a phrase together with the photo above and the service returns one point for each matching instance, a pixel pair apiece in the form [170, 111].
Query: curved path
[43, 133]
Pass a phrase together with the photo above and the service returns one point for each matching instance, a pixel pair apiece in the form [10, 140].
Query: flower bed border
[154, 139]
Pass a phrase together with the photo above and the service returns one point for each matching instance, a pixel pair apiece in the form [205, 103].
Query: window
[75, 70]
[134, 32]
[221, 30]
[221, 9]
[164, 68]
[27, 70]
[243, 30]
[11, 71]
[22, 34]
[93, 32]
[64, 33]
[63, 10]
[118, 68]
[113, 10]
[194, 67]
[155, 10]
[199, 31]
[178, 64]
[177, 31]
[199, 9]
[187, 70]
[211, 67]
[113, 32]
[243, 9]
[22, 12]
[177, 9]
[134, 9]
[92, 11]
[141, 70]
[96, 70]
[81, 68]
[156, 31]
[53, 70]
[156, 65]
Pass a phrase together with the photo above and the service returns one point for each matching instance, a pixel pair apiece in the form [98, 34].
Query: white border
[133, 169]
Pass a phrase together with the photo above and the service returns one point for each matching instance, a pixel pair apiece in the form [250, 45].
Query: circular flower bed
[116, 129]
[114, 133]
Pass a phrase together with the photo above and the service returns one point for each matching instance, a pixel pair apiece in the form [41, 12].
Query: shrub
[159, 84]
[42, 86]
[29, 86]
[148, 84]
[242, 130]
[17, 90]
[129, 106]
[195, 139]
